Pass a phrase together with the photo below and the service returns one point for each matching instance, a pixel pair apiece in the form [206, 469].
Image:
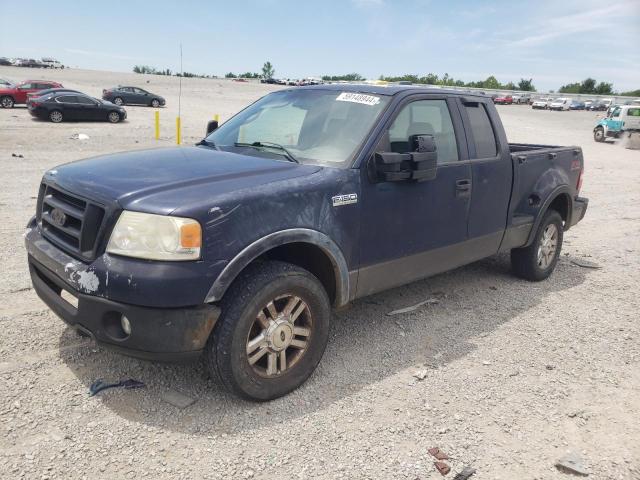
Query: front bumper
[166, 334]
[167, 321]
[580, 205]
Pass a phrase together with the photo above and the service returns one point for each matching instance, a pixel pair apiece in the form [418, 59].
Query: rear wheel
[537, 261]
[55, 116]
[155, 103]
[272, 331]
[7, 102]
[113, 117]
[118, 101]
[598, 134]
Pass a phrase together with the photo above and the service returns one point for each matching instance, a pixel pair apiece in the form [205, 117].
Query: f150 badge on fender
[346, 199]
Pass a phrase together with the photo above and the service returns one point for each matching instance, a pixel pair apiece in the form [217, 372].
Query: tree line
[587, 86]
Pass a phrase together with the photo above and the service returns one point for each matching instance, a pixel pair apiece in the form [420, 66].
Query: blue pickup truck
[237, 248]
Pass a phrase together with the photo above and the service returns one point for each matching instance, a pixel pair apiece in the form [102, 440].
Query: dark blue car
[132, 96]
[237, 248]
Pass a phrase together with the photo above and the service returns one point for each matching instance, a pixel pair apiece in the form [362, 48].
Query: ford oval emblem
[58, 217]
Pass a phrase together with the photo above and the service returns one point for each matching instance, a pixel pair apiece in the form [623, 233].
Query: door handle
[463, 188]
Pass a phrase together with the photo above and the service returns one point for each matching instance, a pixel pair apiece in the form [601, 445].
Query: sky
[554, 42]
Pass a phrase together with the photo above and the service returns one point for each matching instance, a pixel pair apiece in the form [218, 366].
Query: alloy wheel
[548, 246]
[279, 336]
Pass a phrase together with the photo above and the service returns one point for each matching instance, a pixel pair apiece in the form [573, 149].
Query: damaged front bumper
[155, 332]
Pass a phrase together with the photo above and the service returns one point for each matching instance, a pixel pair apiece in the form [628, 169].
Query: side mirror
[419, 165]
[212, 126]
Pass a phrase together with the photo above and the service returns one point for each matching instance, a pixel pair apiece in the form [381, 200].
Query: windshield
[319, 127]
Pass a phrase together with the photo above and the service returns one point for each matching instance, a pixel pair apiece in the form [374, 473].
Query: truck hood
[160, 180]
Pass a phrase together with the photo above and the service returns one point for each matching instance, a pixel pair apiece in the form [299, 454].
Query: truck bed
[535, 168]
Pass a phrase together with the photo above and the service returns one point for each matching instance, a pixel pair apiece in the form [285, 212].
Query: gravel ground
[517, 374]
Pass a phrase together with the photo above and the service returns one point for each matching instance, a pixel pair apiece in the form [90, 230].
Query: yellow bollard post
[216, 117]
[178, 136]
[157, 125]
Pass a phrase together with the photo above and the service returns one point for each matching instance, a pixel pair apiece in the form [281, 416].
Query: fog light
[125, 324]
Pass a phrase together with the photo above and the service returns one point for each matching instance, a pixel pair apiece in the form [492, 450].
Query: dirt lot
[517, 374]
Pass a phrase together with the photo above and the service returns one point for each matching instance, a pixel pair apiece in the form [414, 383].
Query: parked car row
[51, 101]
[292, 82]
[44, 62]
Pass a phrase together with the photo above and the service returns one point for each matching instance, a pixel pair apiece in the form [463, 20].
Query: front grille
[70, 222]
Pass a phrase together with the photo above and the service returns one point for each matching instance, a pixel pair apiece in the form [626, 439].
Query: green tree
[631, 93]
[526, 85]
[510, 86]
[604, 88]
[588, 86]
[230, 75]
[571, 88]
[267, 70]
[491, 82]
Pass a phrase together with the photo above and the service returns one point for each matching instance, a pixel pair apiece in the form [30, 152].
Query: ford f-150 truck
[237, 248]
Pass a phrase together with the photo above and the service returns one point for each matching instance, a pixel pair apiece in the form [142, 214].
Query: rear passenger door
[491, 174]
[68, 106]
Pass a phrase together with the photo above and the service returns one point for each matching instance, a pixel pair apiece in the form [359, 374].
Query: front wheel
[537, 261]
[272, 331]
[7, 102]
[598, 134]
[113, 117]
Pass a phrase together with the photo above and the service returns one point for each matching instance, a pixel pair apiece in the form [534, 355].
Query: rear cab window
[484, 137]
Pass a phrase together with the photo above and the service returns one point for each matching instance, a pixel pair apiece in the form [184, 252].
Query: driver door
[410, 229]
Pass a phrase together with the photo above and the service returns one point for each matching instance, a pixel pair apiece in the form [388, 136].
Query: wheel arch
[304, 247]
[560, 200]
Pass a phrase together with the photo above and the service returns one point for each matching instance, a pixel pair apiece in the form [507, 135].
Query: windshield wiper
[207, 143]
[285, 153]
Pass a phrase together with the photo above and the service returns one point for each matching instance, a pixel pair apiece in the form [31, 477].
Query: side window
[615, 113]
[634, 112]
[482, 130]
[425, 117]
[26, 86]
[84, 100]
[67, 99]
[139, 91]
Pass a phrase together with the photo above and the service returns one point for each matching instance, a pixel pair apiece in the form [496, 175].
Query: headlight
[156, 237]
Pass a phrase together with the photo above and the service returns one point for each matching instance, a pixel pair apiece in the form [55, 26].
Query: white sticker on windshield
[358, 98]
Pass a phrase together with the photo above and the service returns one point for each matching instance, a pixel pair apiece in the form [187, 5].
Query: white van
[560, 104]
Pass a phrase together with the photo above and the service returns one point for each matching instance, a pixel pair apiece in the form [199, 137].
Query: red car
[506, 100]
[17, 94]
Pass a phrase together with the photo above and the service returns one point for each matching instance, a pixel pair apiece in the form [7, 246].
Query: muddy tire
[272, 331]
[537, 261]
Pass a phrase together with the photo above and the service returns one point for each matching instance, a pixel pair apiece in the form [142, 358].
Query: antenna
[180, 84]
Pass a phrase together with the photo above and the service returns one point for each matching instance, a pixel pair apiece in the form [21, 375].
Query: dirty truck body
[233, 250]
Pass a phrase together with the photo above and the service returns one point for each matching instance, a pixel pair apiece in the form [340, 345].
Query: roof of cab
[388, 89]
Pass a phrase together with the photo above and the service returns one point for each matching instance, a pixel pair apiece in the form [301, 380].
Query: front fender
[276, 239]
